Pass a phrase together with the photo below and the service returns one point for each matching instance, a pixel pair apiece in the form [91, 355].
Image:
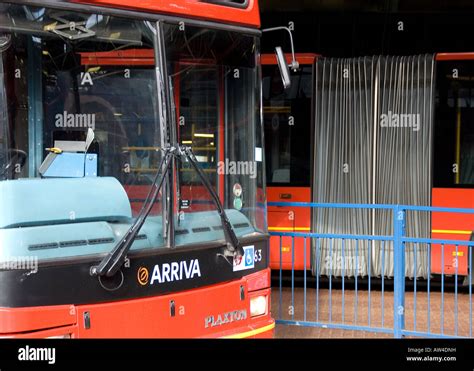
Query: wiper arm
[111, 263]
[231, 238]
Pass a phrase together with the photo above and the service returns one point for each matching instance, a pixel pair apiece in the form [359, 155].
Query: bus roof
[237, 12]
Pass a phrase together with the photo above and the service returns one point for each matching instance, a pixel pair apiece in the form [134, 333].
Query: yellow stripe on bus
[450, 231]
[444, 231]
[289, 228]
[251, 333]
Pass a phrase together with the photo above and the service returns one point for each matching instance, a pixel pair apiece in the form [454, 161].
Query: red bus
[132, 170]
[290, 123]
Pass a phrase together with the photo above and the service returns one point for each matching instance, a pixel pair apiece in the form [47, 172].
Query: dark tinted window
[454, 124]
[287, 120]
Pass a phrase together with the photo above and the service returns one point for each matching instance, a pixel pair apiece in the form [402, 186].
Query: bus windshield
[64, 74]
[215, 79]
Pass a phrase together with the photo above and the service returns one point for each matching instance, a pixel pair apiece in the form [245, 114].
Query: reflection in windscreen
[216, 82]
[65, 75]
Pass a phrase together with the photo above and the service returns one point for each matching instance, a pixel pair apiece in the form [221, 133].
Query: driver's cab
[82, 132]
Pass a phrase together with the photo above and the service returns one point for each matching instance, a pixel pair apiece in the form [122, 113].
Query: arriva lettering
[175, 271]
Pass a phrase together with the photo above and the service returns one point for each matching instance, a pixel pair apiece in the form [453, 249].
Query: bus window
[454, 125]
[215, 82]
[198, 114]
[287, 116]
[59, 83]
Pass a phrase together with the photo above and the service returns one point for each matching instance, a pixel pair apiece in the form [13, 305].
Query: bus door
[287, 123]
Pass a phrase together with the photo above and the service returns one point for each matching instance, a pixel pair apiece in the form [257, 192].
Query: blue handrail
[398, 246]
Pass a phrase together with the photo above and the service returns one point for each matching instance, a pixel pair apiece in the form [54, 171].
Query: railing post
[399, 271]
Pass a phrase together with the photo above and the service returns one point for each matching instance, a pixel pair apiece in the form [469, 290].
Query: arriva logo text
[175, 271]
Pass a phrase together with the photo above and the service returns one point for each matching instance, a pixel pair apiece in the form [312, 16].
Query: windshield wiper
[111, 263]
[115, 258]
[233, 244]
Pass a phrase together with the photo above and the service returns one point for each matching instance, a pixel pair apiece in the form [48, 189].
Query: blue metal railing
[425, 297]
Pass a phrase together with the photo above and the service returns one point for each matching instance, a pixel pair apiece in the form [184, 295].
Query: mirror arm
[294, 63]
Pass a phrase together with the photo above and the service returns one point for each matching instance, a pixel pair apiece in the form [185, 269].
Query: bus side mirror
[283, 66]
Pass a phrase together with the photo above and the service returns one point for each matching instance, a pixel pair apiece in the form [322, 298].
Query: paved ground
[455, 316]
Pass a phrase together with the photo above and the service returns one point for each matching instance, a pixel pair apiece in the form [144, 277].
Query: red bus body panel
[301, 58]
[150, 317]
[454, 56]
[247, 16]
[289, 219]
[451, 226]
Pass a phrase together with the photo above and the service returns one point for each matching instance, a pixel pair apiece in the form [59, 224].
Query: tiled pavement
[356, 311]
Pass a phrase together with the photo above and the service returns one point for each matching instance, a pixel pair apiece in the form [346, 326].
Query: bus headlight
[258, 306]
